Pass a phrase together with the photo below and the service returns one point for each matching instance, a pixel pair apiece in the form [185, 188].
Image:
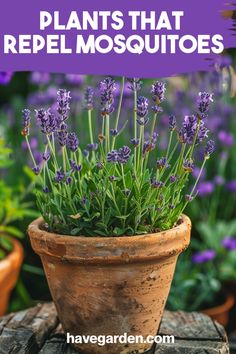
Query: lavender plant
[107, 188]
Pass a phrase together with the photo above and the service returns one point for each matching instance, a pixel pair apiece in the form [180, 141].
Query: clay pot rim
[112, 250]
[225, 307]
[36, 226]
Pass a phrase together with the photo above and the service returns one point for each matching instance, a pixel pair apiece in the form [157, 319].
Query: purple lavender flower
[112, 178]
[5, 77]
[63, 104]
[171, 206]
[173, 179]
[135, 84]
[149, 145]
[189, 198]
[59, 176]
[142, 106]
[229, 243]
[157, 109]
[74, 166]
[26, 122]
[83, 200]
[89, 98]
[209, 148]
[226, 138]
[72, 142]
[142, 110]
[92, 147]
[158, 92]
[46, 120]
[127, 192]
[231, 186]
[69, 180]
[203, 257]
[124, 154]
[62, 134]
[188, 165]
[189, 129]
[135, 142]
[203, 103]
[114, 132]
[46, 190]
[157, 184]
[172, 122]
[112, 156]
[107, 88]
[99, 165]
[162, 162]
[205, 188]
[46, 156]
[36, 170]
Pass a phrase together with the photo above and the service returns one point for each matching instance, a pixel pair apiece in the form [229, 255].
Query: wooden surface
[37, 330]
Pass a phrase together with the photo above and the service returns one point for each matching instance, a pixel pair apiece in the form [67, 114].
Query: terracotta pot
[221, 313]
[9, 271]
[110, 285]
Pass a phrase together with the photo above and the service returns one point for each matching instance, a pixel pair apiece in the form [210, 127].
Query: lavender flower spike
[142, 110]
[46, 120]
[124, 154]
[88, 97]
[59, 176]
[172, 123]
[72, 142]
[112, 156]
[26, 122]
[62, 134]
[63, 104]
[204, 102]
[209, 149]
[158, 92]
[107, 88]
[135, 84]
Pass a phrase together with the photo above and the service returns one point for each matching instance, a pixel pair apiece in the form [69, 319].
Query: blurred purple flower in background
[226, 138]
[38, 78]
[231, 186]
[75, 79]
[205, 188]
[219, 180]
[5, 77]
[196, 172]
[33, 144]
[204, 256]
[229, 243]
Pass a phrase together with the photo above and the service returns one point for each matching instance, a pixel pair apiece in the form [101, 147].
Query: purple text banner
[152, 38]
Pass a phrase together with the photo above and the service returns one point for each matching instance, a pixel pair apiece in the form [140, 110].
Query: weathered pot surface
[110, 285]
[9, 271]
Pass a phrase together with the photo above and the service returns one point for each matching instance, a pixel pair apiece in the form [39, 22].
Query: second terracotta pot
[9, 271]
[110, 285]
[221, 313]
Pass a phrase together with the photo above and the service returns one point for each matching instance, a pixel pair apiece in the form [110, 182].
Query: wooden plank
[193, 347]
[56, 343]
[26, 331]
[194, 325]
